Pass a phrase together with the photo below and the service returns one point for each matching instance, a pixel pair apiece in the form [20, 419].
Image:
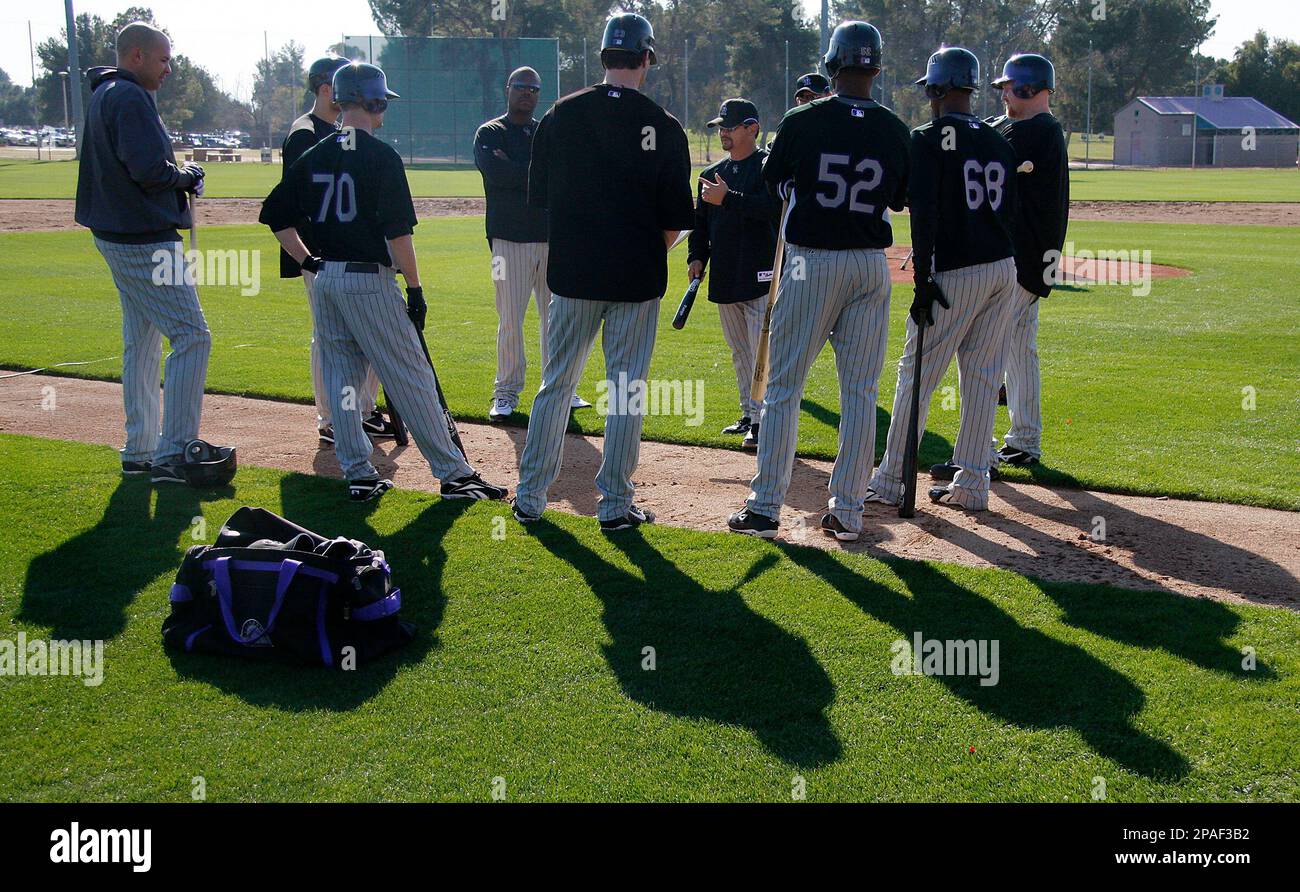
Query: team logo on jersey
[614, 94]
[857, 113]
[764, 275]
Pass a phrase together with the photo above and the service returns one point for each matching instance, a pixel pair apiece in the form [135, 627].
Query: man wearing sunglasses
[735, 233]
[516, 234]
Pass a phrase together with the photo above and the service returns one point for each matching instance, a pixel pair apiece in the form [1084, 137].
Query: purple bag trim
[273, 567]
[326, 653]
[221, 573]
[180, 593]
[189, 641]
[379, 609]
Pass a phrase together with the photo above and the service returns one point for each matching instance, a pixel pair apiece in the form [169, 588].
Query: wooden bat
[907, 507]
[400, 435]
[759, 387]
[688, 301]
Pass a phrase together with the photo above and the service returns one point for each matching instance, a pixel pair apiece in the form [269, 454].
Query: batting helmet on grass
[853, 45]
[208, 465]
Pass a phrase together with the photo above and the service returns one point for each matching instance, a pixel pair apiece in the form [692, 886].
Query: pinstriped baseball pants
[149, 311]
[363, 317]
[842, 296]
[974, 328]
[628, 339]
[518, 275]
[369, 387]
[1024, 384]
[742, 325]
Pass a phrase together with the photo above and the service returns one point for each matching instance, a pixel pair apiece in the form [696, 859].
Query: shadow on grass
[83, 587]
[716, 659]
[1043, 682]
[418, 557]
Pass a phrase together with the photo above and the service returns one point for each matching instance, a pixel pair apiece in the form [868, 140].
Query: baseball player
[353, 188]
[516, 234]
[614, 171]
[811, 86]
[963, 200]
[307, 130]
[841, 161]
[735, 232]
[133, 197]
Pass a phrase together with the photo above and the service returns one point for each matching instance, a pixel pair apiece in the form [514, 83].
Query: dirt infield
[1198, 549]
[53, 214]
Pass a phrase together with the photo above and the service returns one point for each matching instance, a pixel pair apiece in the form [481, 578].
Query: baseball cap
[735, 112]
[813, 81]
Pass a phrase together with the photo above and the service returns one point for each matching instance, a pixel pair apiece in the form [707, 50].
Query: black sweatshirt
[306, 131]
[737, 239]
[505, 181]
[1043, 196]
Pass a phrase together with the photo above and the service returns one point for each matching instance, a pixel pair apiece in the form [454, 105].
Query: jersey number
[994, 176]
[841, 189]
[344, 195]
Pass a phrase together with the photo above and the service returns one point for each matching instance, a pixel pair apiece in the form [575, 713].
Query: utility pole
[74, 74]
[269, 85]
[1196, 102]
[786, 85]
[64, 76]
[1087, 138]
[825, 38]
[585, 82]
[686, 66]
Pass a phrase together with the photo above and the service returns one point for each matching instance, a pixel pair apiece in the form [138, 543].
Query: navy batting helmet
[1028, 70]
[813, 83]
[951, 68]
[208, 465]
[361, 82]
[630, 33]
[853, 45]
[322, 71]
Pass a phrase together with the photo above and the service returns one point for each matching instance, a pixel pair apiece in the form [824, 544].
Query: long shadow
[1043, 683]
[716, 659]
[83, 587]
[580, 464]
[417, 555]
[933, 449]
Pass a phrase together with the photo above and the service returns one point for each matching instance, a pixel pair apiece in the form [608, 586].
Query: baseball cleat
[740, 427]
[873, 496]
[166, 474]
[368, 488]
[136, 468]
[500, 410]
[634, 518]
[578, 403]
[520, 514]
[750, 443]
[472, 486]
[751, 523]
[379, 427]
[942, 495]
[947, 471]
[326, 434]
[833, 526]
[1017, 457]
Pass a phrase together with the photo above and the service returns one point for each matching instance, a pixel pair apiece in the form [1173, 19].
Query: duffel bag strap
[221, 574]
[385, 606]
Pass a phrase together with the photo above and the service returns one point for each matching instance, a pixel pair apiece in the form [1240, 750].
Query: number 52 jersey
[848, 159]
[353, 189]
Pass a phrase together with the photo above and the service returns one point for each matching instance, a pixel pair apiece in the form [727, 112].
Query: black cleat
[750, 443]
[1017, 457]
[521, 515]
[833, 526]
[947, 471]
[378, 427]
[634, 518]
[740, 427]
[368, 488]
[326, 434]
[166, 474]
[474, 487]
[136, 468]
[751, 523]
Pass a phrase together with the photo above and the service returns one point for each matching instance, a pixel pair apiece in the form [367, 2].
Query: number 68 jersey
[962, 195]
[353, 189]
[848, 161]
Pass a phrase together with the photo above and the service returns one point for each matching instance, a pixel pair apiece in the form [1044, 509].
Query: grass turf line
[771, 661]
[1141, 395]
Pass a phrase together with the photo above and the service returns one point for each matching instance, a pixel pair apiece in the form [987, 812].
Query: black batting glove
[927, 294]
[311, 264]
[416, 308]
[191, 178]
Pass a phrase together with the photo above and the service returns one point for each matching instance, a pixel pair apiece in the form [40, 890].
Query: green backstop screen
[449, 86]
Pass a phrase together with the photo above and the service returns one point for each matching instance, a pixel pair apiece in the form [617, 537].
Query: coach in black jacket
[736, 221]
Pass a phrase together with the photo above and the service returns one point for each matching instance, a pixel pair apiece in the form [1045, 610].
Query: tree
[1269, 71]
[15, 102]
[279, 92]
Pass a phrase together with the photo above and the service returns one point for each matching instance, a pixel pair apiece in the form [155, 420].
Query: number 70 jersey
[353, 189]
[848, 161]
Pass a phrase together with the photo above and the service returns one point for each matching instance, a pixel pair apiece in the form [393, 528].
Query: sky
[229, 47]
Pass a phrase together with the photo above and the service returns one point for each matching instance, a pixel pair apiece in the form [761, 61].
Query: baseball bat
[759, 387]
[400, 436]
[446, 413]
[194, 222]
[688, 301]
[907, 507]
[907, 259]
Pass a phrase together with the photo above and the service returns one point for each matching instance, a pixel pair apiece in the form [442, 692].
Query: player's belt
[362, 267]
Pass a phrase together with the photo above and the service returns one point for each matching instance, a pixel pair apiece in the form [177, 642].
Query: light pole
[821, 65]
[64, 75]
[1087, 138]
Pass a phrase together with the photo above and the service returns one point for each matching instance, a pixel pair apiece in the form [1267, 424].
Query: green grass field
[1100, 149]
[1141, 394]
[58, 179]
[771, 662]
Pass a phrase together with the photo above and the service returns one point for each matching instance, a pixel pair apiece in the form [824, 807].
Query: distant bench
[201, 155]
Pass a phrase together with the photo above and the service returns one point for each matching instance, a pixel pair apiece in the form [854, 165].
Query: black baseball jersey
[505, 180]
[353, 190]
[737, 239]
[848, 159]
[306, 131]
[962, 194]
[1043, 195]
[613, 170]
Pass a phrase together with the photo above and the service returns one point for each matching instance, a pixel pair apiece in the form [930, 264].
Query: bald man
[133, 197]
[516, 234]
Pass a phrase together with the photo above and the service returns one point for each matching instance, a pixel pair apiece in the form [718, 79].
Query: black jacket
[737, 239]
[128, 185]
[505, 182]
